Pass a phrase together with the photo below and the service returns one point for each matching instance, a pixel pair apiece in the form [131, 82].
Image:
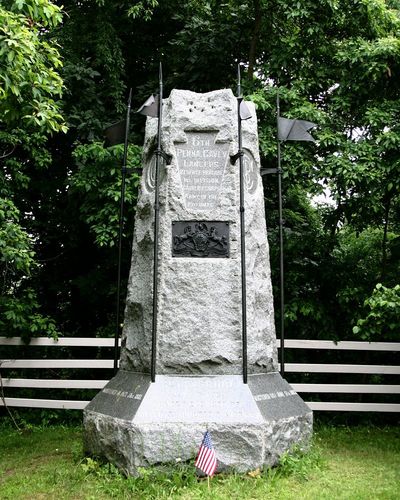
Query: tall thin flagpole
[282, 289]
[242, 232]
[121, 226]
[159, 155]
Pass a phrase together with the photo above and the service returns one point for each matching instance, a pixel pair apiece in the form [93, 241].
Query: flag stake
[208, 482]
[121, 226]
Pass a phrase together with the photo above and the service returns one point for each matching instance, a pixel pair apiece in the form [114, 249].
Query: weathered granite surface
[199, 320]
[251, 425]
[133, 422]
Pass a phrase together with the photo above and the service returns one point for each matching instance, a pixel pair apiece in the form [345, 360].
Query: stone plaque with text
[201, 164]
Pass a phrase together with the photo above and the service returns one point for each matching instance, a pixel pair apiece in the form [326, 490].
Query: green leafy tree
[30, 89]
[334, 62]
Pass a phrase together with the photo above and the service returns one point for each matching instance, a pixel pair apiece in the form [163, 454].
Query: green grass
[343, 463]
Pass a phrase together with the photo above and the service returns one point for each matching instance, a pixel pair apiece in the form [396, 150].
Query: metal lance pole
[282, 290]
[121, 225]
[159, 155]
[242, 232]
[288, 130]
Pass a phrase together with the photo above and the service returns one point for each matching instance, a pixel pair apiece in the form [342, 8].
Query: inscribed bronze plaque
[200, 239]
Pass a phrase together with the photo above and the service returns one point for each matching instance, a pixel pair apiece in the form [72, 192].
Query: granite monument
[134, 422]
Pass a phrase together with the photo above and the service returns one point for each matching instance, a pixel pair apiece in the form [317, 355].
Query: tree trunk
[255, 36]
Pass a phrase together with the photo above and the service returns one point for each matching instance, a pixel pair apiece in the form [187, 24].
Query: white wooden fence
[306, 389]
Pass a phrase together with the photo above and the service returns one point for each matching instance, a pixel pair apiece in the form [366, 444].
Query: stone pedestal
[135, 423]
[199, 348]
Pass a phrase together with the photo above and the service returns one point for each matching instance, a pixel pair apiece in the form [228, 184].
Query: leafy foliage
[18, 303]
[29, 77]
[333, 62]
[29, 85]
[16, 255]
[382, 314]
[98, 179]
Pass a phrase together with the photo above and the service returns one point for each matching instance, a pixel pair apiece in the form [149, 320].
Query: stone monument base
[134, 423]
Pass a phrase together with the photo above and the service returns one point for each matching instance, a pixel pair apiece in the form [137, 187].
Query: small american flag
[206, 460]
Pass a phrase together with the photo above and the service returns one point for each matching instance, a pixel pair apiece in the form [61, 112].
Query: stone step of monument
[164, 421]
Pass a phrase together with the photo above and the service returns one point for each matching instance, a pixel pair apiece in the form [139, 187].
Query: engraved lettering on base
[200, 239]
[201, 162]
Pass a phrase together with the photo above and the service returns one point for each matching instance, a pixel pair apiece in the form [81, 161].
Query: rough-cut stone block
[251, 425]
[199, 304]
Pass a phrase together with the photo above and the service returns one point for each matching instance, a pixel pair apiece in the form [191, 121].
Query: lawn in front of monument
[344, 463]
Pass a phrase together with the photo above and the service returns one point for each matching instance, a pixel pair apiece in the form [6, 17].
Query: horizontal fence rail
[303, 388]
[99, 384]
[289, 343]
[313, 405]
[289, 367]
